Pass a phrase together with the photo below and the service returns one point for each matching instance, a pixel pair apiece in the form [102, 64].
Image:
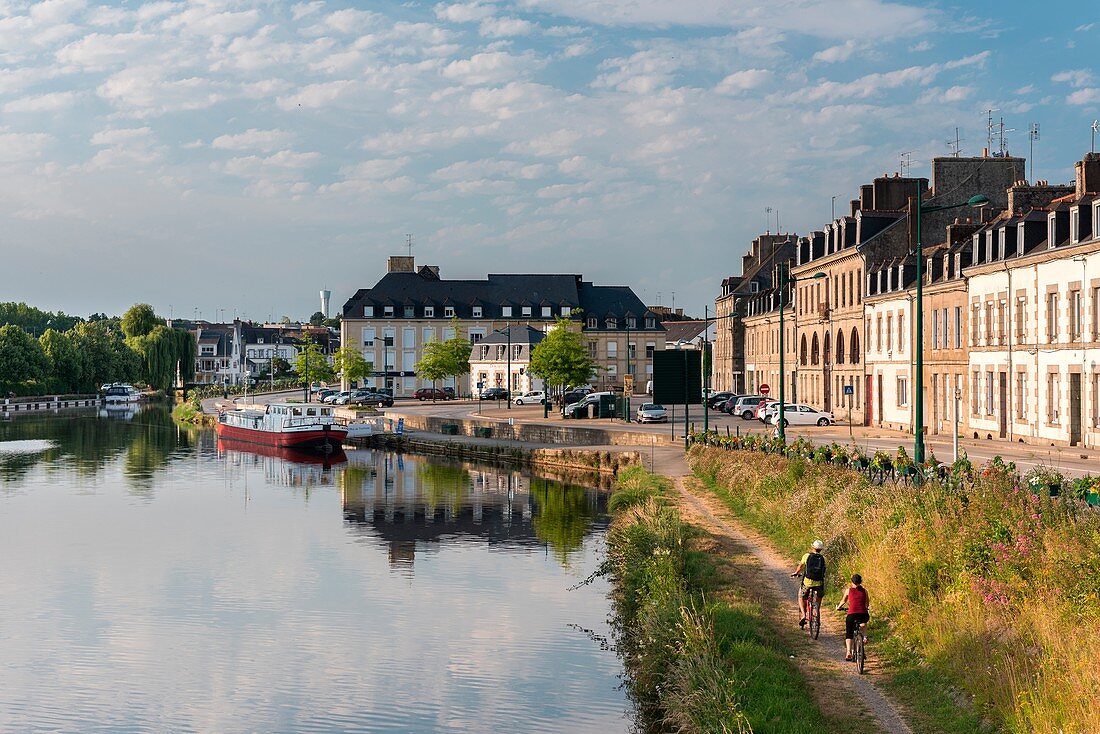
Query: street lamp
[918, 366]
[508, 334]
[785, 279]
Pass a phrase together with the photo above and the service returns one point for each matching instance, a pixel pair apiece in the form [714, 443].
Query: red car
[431, 393]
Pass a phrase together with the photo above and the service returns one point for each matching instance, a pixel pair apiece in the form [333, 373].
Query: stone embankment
[531, 432]
[48, 403]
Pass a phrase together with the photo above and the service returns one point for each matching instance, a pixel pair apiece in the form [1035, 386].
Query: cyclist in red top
[858, 601]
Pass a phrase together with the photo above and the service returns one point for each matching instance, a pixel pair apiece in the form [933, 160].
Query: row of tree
[89, 353]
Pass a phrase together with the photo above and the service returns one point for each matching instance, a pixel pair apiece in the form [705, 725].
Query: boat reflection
[285, 466]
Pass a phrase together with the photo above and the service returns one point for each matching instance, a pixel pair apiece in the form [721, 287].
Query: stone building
[492, 366]
[410, 306]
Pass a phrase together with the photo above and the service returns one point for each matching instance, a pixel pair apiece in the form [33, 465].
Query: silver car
[652, 413]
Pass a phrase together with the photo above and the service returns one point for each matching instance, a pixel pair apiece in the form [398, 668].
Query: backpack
[815, 567]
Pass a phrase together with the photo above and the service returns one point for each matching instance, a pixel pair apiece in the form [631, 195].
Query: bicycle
[813, 607]
[859, 645]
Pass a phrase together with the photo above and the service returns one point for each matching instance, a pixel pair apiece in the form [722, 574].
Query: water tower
[325, 296]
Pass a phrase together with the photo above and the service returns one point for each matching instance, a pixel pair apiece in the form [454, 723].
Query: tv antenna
[905, 162]
[409, 243]
[1095, 128]
[1032, 136]
[990, 128]
[1002, 141]
[955, 146]
[768, 218]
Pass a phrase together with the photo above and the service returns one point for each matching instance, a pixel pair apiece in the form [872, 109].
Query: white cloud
[833, 54]
[502, 27]
[253, 139]
[488, 67]
[378, 168]
[21, 146]
[316, 95]
[1086, 96]
[99, 51]
[50, 102]
[1074, 77]
[743, 80]
[121, 136]
[463, 12]
[958, 94]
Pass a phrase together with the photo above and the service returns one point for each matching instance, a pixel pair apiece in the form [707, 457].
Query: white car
[803, 415]
[535, 397]
[652, 413]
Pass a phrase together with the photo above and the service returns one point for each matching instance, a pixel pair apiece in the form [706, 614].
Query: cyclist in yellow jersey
[812, 566]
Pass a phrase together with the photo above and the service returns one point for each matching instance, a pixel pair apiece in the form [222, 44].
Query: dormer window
[368, 312]
[591, 322]
[476, 312]
[754, 287]
[612, 322]
[1051, 229]
[410, 312]
[506, 311]
[547, 312]
[566, 311]
[631, 322]
[650, 322]
[1074, 230]
[1001, 243]
[429, 312]
[989, 246]
[525, 311]
[387, 311]
[448, 312]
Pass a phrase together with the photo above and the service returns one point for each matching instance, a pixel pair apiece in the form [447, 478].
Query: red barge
[284, 425]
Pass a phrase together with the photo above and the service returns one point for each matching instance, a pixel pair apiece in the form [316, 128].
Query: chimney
[400, 264]
[1088, 174]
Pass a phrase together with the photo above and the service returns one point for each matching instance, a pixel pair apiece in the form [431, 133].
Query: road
[1072, 462]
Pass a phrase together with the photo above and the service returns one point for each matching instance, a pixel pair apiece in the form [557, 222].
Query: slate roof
[517, 335]
[676, 331]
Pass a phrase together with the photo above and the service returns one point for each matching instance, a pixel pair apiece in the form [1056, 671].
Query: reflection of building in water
[283, 466]
[412, 502]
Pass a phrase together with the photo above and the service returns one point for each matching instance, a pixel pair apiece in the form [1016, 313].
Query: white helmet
[818, 545]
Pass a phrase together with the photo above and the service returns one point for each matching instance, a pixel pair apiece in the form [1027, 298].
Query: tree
[445, 359]
[102, 356]
[561, 359]
[311, 365]
[64, 364]
[317, 319]
[34, 320]
[351, 365]
[139, 320]
[21, 359]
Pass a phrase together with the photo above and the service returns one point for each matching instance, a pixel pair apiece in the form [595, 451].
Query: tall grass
[987, 586]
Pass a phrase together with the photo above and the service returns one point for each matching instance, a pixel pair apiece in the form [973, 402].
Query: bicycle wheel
[815, 614]
[860, 645]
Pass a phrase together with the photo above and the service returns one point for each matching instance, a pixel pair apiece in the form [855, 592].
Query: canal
[152, 579]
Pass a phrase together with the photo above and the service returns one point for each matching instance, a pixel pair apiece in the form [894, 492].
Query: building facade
[410, 306]
[504, 360]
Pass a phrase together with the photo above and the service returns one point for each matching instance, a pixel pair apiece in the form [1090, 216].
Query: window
[903, 391]
[368, 337]
[448, 312]
[591, 350]
[1021, 382]
[387, 311]
[631, 322]
[958, 327]
[1021, 316]
[1075, 315]
[547, 312]
[1001, 331]
[975, 318]
[1073, 229]
[650, 348]
[368, 312]
[612, 350]
[429, 312]
[989, 393]
[427, 333]
[408, 337]
[936, 329]
[475, 312]
[1095, 313]
[525, 310]
[612, 370]
[476, 335]
[591, 322]
[1052, 317]
[878, 333]
[631, 351]
[612, 322]
[901, 332]
[506, 312]
[1052, 398]
[988, 323]
[890, 332]
[410, 312]
[944, 325]
[566, 312]
[650, 322]
[974, 386]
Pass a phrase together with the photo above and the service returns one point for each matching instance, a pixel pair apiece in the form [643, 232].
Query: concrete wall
[538, 433]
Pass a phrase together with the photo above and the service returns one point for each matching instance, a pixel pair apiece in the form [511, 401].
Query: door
[827, 393]
[935, 403]
[1075, 408]
[1002, 402]
[880, 398]
[868, 402]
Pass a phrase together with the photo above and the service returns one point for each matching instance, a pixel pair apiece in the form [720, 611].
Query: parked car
[331, 399]
[746, 406]
[718, 398]
[762, 408]
[730, 404]
[494, 393]
[371, 398]
[450, 391]
[571, 396]
[803, 415]
[431, 393]
[531, 398]
[573, 410]
[766, 411]
[346, 398]
[652, 413]
[320, 395]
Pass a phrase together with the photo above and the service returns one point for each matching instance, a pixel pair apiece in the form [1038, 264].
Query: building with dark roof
[411, 305]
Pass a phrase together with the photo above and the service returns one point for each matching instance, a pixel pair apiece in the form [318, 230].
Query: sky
[232, 157]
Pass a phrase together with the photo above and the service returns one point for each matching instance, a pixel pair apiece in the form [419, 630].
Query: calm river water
[153, 580]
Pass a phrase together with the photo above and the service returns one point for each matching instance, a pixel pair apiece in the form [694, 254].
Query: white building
[490, 362]
[888, 346]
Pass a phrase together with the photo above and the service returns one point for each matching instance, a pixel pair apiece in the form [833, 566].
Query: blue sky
[241, 154]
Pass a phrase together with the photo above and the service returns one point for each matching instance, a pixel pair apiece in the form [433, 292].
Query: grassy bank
[985, 596]
[699, 650]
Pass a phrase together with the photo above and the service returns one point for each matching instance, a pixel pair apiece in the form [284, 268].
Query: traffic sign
[849, 390]
[765, 389]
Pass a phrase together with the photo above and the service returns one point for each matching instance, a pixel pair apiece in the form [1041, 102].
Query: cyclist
[812, 567]
[858, 600]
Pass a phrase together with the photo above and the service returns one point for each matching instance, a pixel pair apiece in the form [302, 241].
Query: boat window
[325, 411]
[297, 411]
[311, 411]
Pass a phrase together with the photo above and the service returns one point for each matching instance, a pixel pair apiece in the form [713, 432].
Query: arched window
[827, 355]
[802, 352]
[854, 346]
[840, 347]
[814, 351]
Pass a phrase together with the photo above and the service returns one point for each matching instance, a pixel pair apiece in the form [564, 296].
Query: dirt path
[836, 683]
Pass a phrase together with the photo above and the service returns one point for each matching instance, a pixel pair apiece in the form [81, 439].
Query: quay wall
[537, 433]
[48, 403]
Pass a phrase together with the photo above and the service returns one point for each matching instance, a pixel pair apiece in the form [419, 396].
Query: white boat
[121, 393]
[301, 425]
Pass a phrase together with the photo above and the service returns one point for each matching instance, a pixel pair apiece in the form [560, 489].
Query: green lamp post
[785, 279]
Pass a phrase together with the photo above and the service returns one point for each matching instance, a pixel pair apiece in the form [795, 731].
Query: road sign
[765, 389]
[849, 390]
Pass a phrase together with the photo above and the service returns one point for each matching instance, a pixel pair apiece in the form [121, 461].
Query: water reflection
[153, 580]
[411, 504]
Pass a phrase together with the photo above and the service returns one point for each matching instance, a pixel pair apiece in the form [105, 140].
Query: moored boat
[121, 394]
[302, 425]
